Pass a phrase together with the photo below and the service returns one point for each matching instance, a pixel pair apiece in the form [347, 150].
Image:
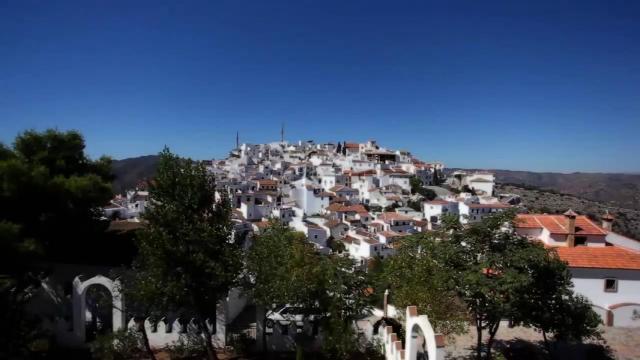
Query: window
[580, 241]
[315, 236]
[610, 285]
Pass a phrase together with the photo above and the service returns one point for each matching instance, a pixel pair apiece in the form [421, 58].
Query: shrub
[119, 345]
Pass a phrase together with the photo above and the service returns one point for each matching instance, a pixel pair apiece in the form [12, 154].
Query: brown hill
[128, 172]
[619, 190]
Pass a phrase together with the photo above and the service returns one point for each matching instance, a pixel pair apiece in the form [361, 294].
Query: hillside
[129, 171]
[627, 221]
[619, 190]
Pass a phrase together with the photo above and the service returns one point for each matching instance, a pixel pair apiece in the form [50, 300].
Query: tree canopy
[50, 198]
[284, 268]
[489, 272]
[187, 248]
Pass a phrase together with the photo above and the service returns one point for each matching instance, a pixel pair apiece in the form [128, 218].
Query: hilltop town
[377, 238]
[362, 195]
[363, 198]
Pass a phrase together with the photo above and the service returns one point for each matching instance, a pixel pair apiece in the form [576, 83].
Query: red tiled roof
[267, 182]
[352, 145]
[336, 207]
[557, 224]
[390, 216]
[607, 257]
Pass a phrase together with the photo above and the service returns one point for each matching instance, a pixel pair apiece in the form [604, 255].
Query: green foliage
[418, 277]
[377, 276]
[415, 205]
[336, 246]
[492, 274]
[63, 188]
[283, 268]
[50, 194]
[188, 347]
[391, 207]
[119, 345]
[417, 187]
[186, 252]
[550, 305]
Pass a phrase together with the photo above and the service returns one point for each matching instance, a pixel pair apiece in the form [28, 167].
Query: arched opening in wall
[98, 311]
[419, 340]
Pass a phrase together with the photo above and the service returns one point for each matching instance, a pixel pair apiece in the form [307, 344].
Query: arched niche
[420, 337]
[80, 306]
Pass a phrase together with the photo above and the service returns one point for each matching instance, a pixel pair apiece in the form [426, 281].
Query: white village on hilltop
[363, 196]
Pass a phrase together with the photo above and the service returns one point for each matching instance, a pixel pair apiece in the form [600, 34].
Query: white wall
[590, 283]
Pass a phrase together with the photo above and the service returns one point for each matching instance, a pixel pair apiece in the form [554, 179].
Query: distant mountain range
[128, 172]
[619, 190]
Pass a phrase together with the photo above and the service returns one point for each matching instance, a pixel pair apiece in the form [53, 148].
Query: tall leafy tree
[50, 198]
[418, 276]
[187, 246]
[54, 191]
[493, 268]
[284, 268]
[501, 274]
[344, 300]
[551, 306]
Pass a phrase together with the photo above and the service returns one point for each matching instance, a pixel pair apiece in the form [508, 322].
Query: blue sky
[546, 86]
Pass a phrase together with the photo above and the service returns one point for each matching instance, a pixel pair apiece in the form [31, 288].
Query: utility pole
[237, 139]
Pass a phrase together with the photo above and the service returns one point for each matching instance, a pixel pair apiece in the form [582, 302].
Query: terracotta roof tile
[606, 257]
[557, 224]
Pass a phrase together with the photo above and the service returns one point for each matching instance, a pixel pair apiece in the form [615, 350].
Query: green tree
[501, 275]
[344, 300]
[493, 268]
[50, 199]
[418, 276]
[187, 246]
[417, 187]
[283, 268]
[54, 192]
[550, 305]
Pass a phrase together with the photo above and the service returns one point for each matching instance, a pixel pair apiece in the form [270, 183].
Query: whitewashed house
[606, 273]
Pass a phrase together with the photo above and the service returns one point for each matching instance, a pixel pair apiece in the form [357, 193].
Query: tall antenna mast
[237, 139]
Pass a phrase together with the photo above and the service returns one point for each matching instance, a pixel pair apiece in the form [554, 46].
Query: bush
[190, 346]
[120, 345]
[242, 343]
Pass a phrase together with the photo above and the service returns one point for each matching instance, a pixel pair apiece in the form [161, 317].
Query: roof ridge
[557, 222]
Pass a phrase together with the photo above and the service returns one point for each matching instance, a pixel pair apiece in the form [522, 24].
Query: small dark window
[581, 241]
[284, 329]
[610, 285]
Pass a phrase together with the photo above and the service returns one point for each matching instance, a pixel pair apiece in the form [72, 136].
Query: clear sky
[543, 86]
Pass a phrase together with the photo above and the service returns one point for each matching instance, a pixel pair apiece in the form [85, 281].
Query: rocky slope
[627, 221]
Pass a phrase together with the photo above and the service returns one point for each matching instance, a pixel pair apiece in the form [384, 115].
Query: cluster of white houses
[358, 194]
[354, 193]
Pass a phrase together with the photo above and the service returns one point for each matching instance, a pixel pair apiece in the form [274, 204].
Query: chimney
[386, 302]
[571, 227]
[607, 221]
